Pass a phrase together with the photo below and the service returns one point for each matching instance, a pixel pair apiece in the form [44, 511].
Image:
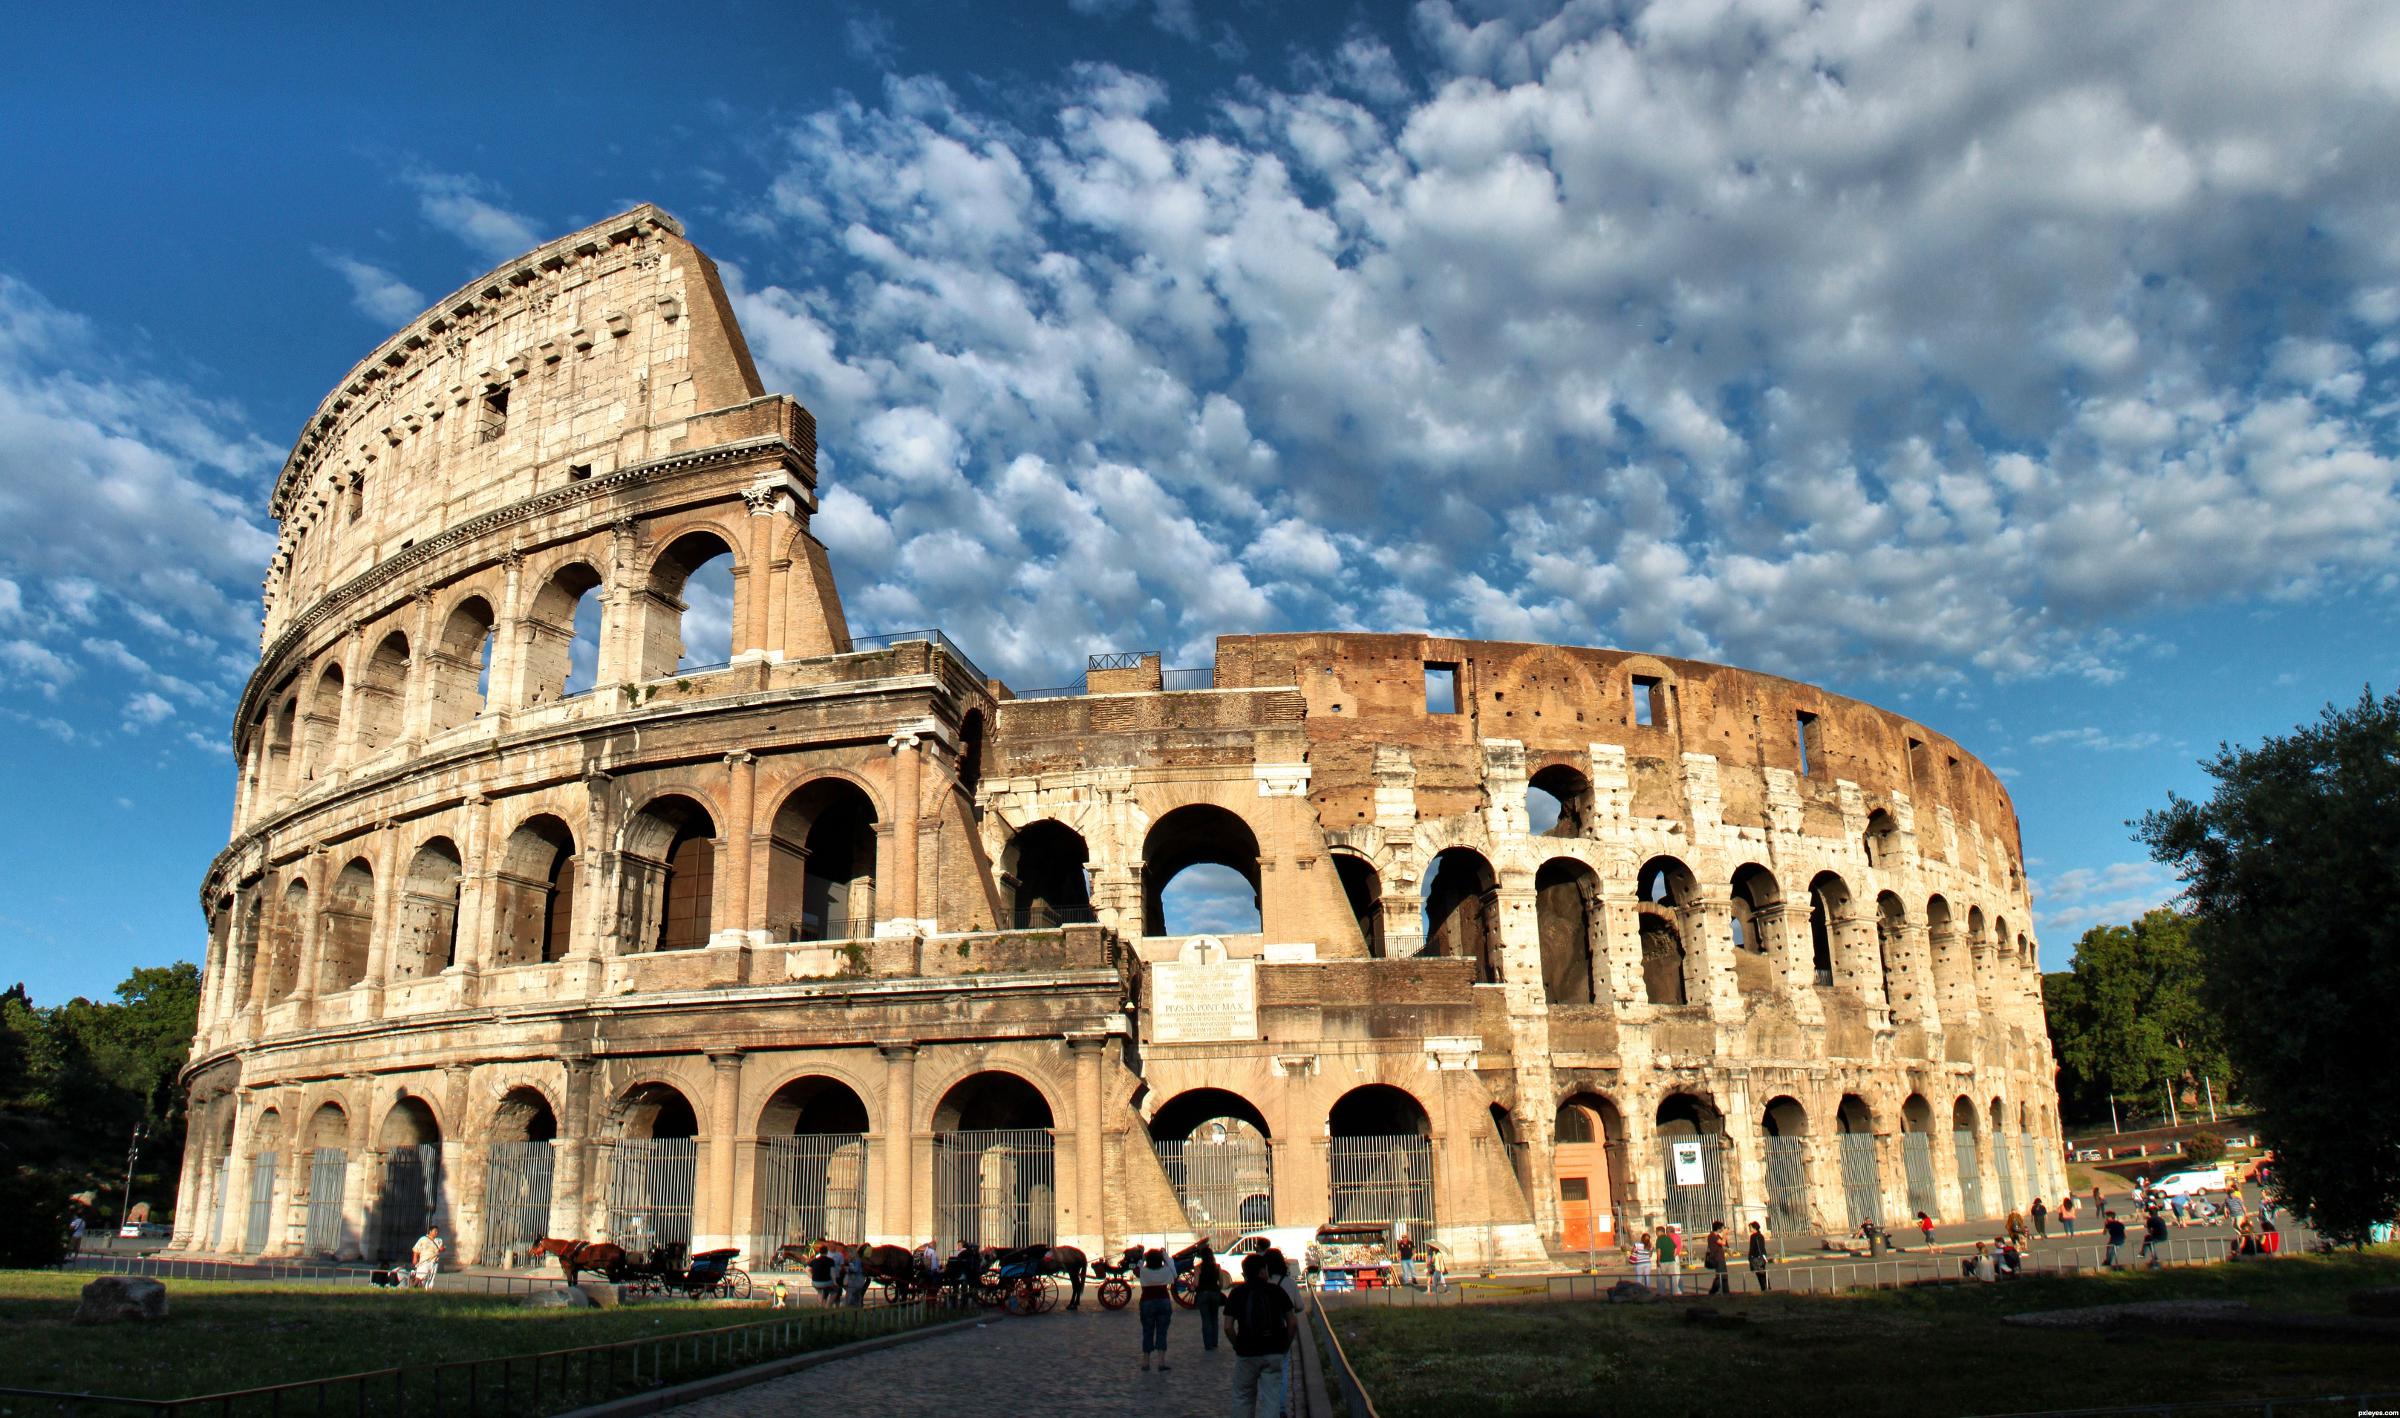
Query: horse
[1071, 1263]
[577, 1256]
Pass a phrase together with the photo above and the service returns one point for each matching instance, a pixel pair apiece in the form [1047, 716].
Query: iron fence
[1696, 1206]
[2003, 1173]
[995, 1187]
[407, 1200]
[309, 1272]
[1862, 1191]
[650, 1185]
[1916, 1156]
[1970, 1175]
[935, 638]
[223, 1216]
[516, 1196]
[256, 1232]
[1227, 1185]
[1200, 677]
[1387, 1178]
[328, 1174]
[813, 1185]
[1787, 1184]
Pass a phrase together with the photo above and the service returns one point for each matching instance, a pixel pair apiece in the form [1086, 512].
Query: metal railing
[1056, 691]
[944, 643]
[995, 1187]
[1200, 677]
[515, 1383]
[1345, 1376]
[1115, 660]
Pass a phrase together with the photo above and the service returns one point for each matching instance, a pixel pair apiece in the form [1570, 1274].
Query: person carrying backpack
[1262, 1322]
[1670, 1260]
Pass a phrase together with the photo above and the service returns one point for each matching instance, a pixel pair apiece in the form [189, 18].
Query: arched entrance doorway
[1784, 1128]
[1862, 1187]
[1381, 1154]
[517, 1172]
[408, 1191]
[994, 1165]
[258, 1222]
[1214, 1147]
[1693, 1150]
[1584, 1151]
[652, 1174]
[328, 1179]
[812, 1166]
[1966, 1146]
[1916, 1155]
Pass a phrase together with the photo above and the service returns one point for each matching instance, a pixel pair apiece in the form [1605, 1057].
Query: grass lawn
[221, 1335]
[1938, 1350]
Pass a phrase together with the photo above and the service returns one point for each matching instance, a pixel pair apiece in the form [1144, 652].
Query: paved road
[1081, 1365]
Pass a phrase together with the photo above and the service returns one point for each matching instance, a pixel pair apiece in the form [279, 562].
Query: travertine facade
[845, 936]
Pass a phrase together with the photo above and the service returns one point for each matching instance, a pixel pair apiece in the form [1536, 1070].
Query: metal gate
[1787, 1184]
[328, 1174]
[814, 1187]
[407, 1200]
[516, 1197]
[1970, 1176]
[217, 1224]
[1916, 1153]
[2005, 1170]
[262, 1203]
[1226, 1185]
[1862, 1190]
[995, 1187]
[1387, 1178]
[1695, 1206]
[650, 1185]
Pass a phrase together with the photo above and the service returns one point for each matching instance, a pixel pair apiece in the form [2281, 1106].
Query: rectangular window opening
[1441, 688]
[1805, 725]
[495, 414]
[577, 472]
[1649, 701]
[1920, 767]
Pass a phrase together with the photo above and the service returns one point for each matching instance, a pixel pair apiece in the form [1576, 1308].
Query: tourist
[2041, 1220]
[2007, 1256]
[1262, 1322]
[2270, 1240]
[2246, 1240]
[966, 1268]
[2099, 1208]
[854, 1279]
[2115, 1230]
[1758, 1256]
[1437, 1269]
[1670, 1259]
[1408, 1261]
[2016, 1228]
[1714, 1258]
[2154, 1237]
[1925, 1228]
[782, 1295]
[2066, 1212]
[1157, 1277]
[1641, 1257]
[1981, 1268]
[427, 1254]
[75, 1230]
[1208, 1291]
[2234, 1206]
[2175, 1205]
[929, 1266]
[825, 1273]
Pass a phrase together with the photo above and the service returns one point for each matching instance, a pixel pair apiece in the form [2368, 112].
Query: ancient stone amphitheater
[1528, 945]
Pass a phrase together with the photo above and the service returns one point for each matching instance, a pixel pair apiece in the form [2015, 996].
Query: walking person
[1208, 1290]
[1408, 1261]
[1157, 1278]
[1758, 1256]
[825, 1273]
[1262, 1322]
[1925, 1229]
[2116, 1240]
[2066, 1212]
[2016, 1228]
[2154, 1238]
[1437, 1270]
[1714, 1258]
[427, 1256]
[2041, 1220]
[854, 1280]
[1642, 1257]
[1670, 1259]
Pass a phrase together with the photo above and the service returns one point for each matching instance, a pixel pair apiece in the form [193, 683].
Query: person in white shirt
[426, 1254]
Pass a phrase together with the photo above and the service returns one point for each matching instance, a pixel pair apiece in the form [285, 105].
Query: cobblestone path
[1081, 1365]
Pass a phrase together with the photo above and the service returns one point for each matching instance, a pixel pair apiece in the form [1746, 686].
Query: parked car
[2192, 1183]
[143, 1231]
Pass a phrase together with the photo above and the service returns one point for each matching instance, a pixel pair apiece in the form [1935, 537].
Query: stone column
[1828, 1209]
[894, 1173]
[1746, 1184]
[235, 1175]
[292, 1234]
[358, 1177]
[900, 916]
[1947, 1191]
[734, 866]
[191, 1184]
[1711, 948]
[1090, 1226]
[569, 1206]
[757, 623]
[714, 1226]
[344, 750]
[476, 897]
[416, 711]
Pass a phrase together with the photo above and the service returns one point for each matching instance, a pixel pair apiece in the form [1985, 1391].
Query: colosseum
[836, 934]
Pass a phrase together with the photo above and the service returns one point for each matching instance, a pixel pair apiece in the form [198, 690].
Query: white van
[1293, 1241]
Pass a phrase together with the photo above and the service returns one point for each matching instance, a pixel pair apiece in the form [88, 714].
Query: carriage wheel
[1116, 1292]
[1186, 1291]
[990, 1292]
[1021, 1298]
[736, 1285]
[1045, 1294]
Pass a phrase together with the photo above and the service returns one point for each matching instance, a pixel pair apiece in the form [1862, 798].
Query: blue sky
[2036, 381]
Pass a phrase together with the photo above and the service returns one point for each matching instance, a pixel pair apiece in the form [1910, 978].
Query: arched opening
[1783, 1128]
[1695, 1153]
[1213, 1145]
[562, 635]
[670, 865]
[1587, 1142]
[246, 946]
[1862, 1187]
[995, 1180]
[290, 944]
[821, 864]
[461, 665]
[654, 1166]
[1757, 903]
[324, 727]
[1828, 908]
[348, 927]
[1979, 957]
[1461, 911]
[427, 941]
[408, 1187]
[1381, 1152]
[1953, 970]
[282, 730]
[1966, 1140]
[2003, 1166]
[1558, 803]
[1891, 923]
[812, 1164]
[328, 1140]
[1200, 874]
[536, 887]
[1045, 871]
[970, 753]
[1916, 1155]
[1669, 896]
[380, 698]
[1882, 841]
[518, 1167]
[259, 1229]
[689, 620]
[1362, 889]
[1566, 897]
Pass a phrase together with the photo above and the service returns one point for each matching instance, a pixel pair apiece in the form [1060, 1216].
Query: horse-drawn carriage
[1117, 1277]
[661, 1271]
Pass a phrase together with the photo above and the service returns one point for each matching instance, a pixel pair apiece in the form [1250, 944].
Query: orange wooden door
[1575, 1213]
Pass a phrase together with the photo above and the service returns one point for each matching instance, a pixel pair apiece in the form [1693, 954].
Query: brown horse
[575, 1257]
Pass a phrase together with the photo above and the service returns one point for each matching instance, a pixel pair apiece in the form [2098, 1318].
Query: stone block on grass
[114, 1298]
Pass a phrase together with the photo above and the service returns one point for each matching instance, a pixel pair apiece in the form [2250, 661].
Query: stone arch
[670, 868]
[562, 620]
[812, 1172]
[379, 701]
[1362, 891]
[1783, 1134]
[1380, 1150]
[1828, 912]
[1562, 794]
[282, 728]
[323, 729]
[813, 1101]
[348, 927]
[524, 1112]
[290, 945]
[1668, 898]
[651, 1109]
[821, 863]
[1756, 902]
[1200, 836]
[1691, 1117]
[1587, 1157]
[427, 940]
[408, 1190]
[970, 752]
[458, 669]
[679, 633]
[1881, 841]
[1855, 1130]
[519, 1170]
[328, 1126]
[1916, 1154]
[1215, 1146]
[1462, 910]
[1953, 966]
[1566, 895]
[993, 1099]
[995, 1180]
[535, 883]
[246, 940]
[1045, 872]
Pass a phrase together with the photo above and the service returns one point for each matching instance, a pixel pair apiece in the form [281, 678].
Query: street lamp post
[133, 1152]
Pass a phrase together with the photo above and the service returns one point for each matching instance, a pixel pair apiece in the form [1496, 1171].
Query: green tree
[82, 1075]
[2292, 868]
[2130, 1017]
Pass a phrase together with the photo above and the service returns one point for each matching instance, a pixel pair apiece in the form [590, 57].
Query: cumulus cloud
[468, 208]
[378, 294]
[2072, 902]
[145, 709]
[1790, 337]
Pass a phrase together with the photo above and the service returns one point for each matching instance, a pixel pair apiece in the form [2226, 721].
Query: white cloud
[145, 709]
[45, 667]
[379, 295]
[466, 208]
[2086, 736]
[2072, 902]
